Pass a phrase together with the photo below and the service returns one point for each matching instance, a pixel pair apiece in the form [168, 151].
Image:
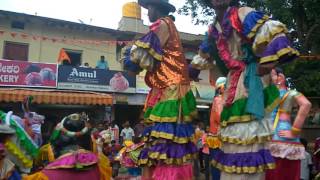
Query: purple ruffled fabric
[171, 150]
[278, 44]
[193, 72]
[153, 42]
[250, 159]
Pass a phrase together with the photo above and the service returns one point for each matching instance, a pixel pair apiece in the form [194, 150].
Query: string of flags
[63, 40]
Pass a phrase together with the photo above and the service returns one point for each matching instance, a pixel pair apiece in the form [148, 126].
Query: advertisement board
[27, 74]
[90, 79]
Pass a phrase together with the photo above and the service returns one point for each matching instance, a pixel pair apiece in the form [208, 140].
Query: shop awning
[55, 97]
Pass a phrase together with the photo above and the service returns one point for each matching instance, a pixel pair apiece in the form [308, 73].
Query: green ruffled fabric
[237, 112]
[168, 111]
[55, 135]
[24, 139]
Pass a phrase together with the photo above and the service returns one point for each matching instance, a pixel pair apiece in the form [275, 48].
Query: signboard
[142, 88]
[27, 74]
[89, 79]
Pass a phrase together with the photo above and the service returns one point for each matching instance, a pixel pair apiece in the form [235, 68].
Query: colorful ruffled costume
[21, 147]
[170, 105]
[287, 152]
[74, 161]
[245, 39]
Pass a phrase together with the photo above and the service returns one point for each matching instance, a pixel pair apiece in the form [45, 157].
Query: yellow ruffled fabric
[36, 176]
[45, 154]
[104, 167]
[13, 149]
[213, 142]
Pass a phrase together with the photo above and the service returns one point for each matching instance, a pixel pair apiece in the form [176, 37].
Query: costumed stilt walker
[285, 146]
[170, 106]
[71, 145]
[246, 44]
[8, 170]
[22, 147]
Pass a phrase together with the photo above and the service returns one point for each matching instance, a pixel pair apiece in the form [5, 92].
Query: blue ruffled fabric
[251, 20]
[128, 64]
[255, 104]
[15, 176]
[205, 46]
[177, 130]
[193, 72]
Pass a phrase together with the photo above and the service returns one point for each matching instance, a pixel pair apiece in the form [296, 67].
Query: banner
[27, 74]
[90, 79]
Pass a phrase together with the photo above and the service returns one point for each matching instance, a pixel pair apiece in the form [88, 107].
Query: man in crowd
[127, 132]
[102, 63]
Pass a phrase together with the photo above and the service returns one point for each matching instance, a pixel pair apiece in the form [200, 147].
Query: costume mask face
[152, 13]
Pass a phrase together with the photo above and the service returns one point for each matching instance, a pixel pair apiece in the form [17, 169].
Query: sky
[103, 13]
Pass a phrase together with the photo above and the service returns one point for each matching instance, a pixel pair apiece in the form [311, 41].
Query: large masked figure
[246, 44]
[285, 146]
[70, 143]
[170, 106]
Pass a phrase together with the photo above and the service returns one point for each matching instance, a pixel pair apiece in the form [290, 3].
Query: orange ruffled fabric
[173, 68]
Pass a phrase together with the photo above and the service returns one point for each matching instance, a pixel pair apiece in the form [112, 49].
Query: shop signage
[90, 79]
[142, 88]
[27, 74]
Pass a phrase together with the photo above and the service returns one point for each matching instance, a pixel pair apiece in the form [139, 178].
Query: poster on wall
[90, 79]
[142, 88]
[27, 74]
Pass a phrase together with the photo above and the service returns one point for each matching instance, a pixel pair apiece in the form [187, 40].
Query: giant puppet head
[71, 134]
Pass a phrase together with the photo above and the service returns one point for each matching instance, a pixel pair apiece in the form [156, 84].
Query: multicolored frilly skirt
[169, 136]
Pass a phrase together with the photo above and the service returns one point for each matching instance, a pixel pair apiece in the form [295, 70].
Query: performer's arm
[304, 108]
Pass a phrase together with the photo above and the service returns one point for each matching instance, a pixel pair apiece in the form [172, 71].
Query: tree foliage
[302, 18]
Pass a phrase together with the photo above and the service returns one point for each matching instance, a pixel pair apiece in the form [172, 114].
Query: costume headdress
[164, 3]
[220, 82]
[72, 125]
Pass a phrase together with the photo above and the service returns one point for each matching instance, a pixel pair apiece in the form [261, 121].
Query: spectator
[114, 128]
[306, 163]
[138, 128]
[85, 65]
[102, 63]
[316, 117]
[127, 132]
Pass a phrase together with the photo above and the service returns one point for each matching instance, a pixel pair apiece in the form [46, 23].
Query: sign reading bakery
[27, 74]
[90, 79]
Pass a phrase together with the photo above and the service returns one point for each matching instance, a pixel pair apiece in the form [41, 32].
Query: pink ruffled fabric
[66, 174]
[73, 160]
[154, 97]
[183, 172]
[235, 66]
[287, 150]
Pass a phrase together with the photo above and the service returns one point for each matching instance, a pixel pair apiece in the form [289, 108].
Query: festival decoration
[63, 40]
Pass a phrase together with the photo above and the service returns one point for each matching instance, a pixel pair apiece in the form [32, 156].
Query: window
[75, 56]
[15, 51]
[17, 25]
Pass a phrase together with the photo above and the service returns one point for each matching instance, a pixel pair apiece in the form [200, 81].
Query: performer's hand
[287, 134]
